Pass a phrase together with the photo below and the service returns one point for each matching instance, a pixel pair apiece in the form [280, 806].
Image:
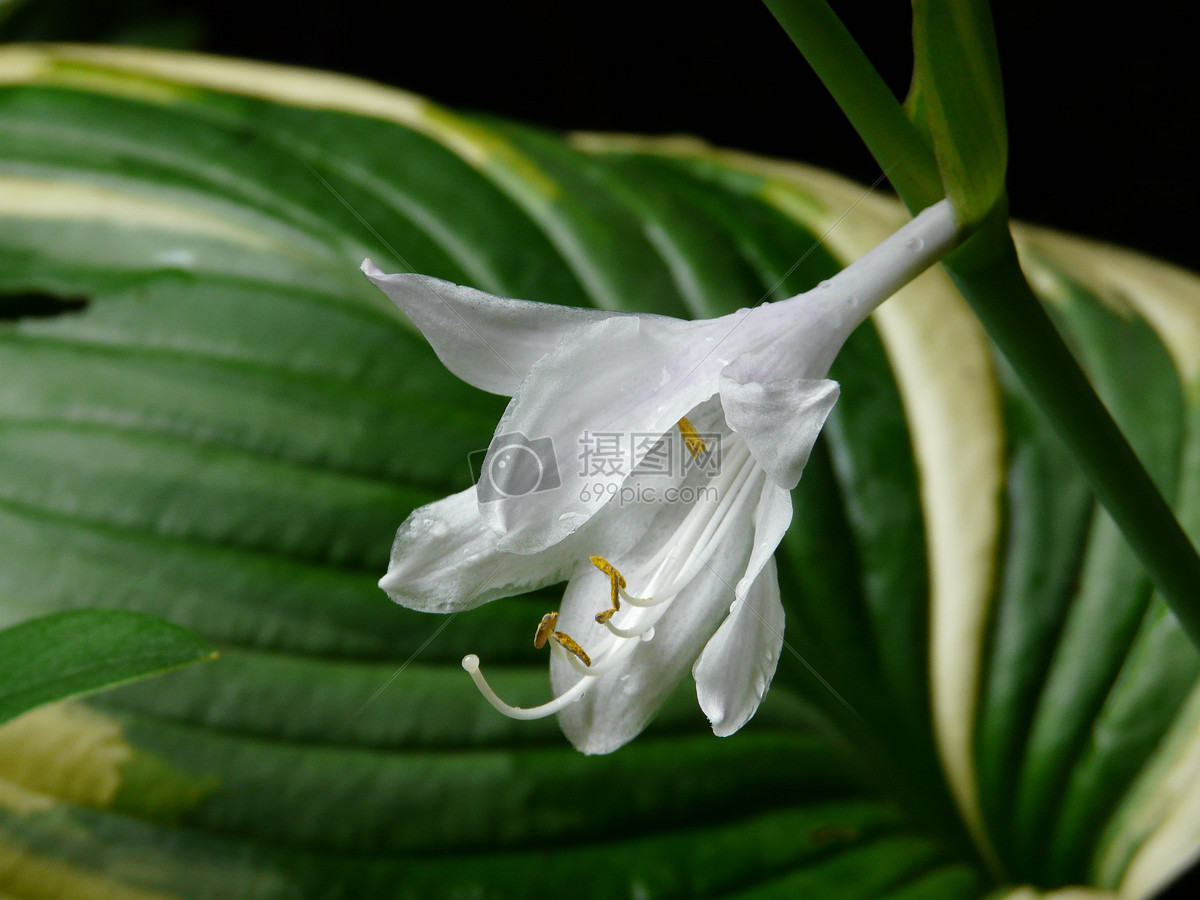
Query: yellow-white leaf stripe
[33, 198]
[1155, 833]
[943, 367]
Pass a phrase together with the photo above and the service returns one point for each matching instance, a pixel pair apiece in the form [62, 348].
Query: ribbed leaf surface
[208, 414]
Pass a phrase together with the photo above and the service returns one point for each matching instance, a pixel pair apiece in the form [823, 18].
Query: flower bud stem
[988, 274]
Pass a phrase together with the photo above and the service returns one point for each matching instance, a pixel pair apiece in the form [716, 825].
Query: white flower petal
[772, 516]
[737, 665]
[445, 559]
[779, 420]
[620, 703]
[796, 338]
[632, 377]
[542, 506]
[489, 342]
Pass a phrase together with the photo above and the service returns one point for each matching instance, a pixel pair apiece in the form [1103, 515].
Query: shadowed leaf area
[38, 306]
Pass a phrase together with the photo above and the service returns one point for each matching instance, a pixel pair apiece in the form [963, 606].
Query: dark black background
[1101, 107]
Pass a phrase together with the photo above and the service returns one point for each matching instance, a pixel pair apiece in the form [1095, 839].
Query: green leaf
[66, 654]
[956, 76]
[209, 415]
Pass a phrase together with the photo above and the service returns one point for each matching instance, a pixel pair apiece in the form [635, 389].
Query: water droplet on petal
[916, 245]
[824, 284]
[437, 529]
[648, 634]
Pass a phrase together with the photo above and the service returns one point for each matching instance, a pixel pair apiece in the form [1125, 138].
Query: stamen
[568, 643]
[630, 632]
[642, 601]
[544, 629]
[720, 524]
[691, 437]
[559, 703]
[670, 569]
[613, 657]
[733, 467]
[608, 569]
[615, 580]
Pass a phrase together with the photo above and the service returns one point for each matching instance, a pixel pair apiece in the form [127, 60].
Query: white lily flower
[665, 573]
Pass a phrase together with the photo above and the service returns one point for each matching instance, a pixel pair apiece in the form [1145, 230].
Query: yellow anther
[615, 580]
[544, 629]
[568, 643]
[691, 437]
[611, 571]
